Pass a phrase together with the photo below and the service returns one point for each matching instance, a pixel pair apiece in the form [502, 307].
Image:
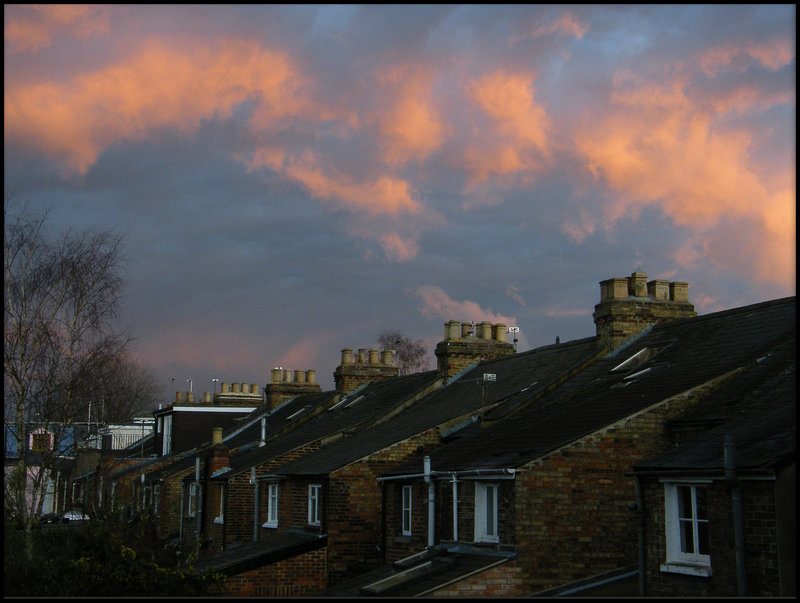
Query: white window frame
[156, 497]
[314, 491]
[166, 438]
[192, 507]
[486, 524]
[272, 507]
[679, 560]
[406, 507]
[220, 518]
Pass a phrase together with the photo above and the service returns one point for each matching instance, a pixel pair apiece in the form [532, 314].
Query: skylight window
[638, 359]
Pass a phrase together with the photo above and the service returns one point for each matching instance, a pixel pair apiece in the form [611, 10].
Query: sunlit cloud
[738, 56]
[659, 147]
[397, 248]
[408, 121]
[437, 303]
[159, 87]
[515, 135]
[34, 26]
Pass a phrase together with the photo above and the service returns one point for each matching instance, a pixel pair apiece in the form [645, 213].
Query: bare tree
[61, 300]
[410, 354]
[120, 390]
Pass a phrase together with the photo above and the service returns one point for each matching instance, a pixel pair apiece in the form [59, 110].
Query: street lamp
[214, 381]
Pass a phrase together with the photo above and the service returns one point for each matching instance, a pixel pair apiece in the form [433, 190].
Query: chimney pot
[207, 398]
[275, 375]
[386, 357]
[216, 436]
[311, 376]
[500, 332]
[373, 356]
[466, 329]
[486, 329]
[254, 388]
[362, 355]
[226, 388]
[178, 397]
[679, 291]
[347, 356]
[190, 397]
[235, 388]
[299, 376]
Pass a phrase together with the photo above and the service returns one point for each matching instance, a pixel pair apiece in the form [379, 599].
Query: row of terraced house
[655, 457]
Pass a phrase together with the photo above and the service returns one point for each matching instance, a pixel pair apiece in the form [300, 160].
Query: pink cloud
[435, 302]
[32, 27]
[515, 137]
[658, 147]
[159, 87]
[408, 122]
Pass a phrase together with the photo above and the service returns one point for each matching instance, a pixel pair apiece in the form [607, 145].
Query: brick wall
[498, 581]
[573, 514]
[354, 507]
[761, 549]
[299, 576]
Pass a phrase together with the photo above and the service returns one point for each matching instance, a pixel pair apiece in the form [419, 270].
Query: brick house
[718, 509]
[552, 479]
[497, 474]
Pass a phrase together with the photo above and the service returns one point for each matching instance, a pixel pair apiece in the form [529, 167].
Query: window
[41, 441]
[192, 498]
[406, 521]
[220, 518]
[486, 513]
[272, 507]
[313, 504]
[166, 442]
[686, 521]
[156, 497]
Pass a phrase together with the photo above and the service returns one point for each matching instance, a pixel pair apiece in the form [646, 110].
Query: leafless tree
[410, 354]
[62, 296]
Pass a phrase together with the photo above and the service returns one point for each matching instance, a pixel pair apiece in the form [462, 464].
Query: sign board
[489, 377]
[513, 329]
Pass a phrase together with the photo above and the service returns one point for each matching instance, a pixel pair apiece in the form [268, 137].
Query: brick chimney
[630, 304]
[218, 454]
[366, 366]
[287, 384]
[466, 343]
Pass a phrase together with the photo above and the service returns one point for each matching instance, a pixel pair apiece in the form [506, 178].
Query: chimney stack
[629, 305]
[465, 343]
[370, 365]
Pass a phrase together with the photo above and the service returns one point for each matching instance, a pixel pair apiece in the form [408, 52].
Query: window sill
[704, 571]
[272, 525]
[219, 520]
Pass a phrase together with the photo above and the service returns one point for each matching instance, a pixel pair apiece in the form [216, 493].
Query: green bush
[100, 559]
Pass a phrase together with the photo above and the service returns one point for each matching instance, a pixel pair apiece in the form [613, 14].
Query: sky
[293, 180]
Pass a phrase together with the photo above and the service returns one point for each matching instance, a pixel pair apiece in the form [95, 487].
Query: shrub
[101, 558]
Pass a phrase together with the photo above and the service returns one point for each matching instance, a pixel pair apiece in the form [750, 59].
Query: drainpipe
[641, 521]
[180, 524]
[455, 508]
[431, 500]
[738, 516]
[254, 483]
[198, 497]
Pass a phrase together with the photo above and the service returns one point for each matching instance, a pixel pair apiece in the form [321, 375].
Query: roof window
[638, 359]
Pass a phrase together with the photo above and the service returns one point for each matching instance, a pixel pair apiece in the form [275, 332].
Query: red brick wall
[498, 581]
[299, 576]
[761, 549]
[354, 507]
[573, 512]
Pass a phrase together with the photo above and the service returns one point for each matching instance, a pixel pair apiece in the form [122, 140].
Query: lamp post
[214, 381]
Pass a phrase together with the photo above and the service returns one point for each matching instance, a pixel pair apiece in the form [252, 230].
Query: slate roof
[692, 352]
[527, 374]
[370, 403]
[270, 548]
[759, 412]
[423, 573]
